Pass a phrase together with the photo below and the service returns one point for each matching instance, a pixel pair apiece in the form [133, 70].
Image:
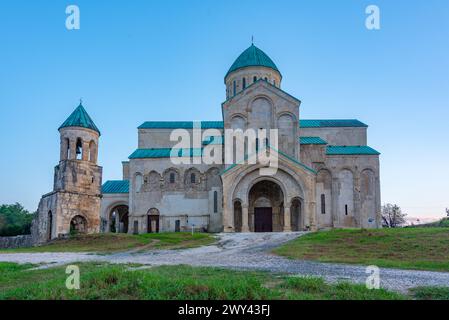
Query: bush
[14, 220]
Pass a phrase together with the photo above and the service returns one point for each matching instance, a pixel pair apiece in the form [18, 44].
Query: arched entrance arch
[153, 220]
[297, 218]
[266, 207]
[119, 219]
[78, 225]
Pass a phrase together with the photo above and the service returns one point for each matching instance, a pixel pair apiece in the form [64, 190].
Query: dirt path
[246, 251]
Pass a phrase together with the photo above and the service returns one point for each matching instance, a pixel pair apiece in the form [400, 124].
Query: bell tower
[74, 204]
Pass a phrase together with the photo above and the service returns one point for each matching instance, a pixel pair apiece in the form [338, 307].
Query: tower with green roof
[74, 204]
[251, 66]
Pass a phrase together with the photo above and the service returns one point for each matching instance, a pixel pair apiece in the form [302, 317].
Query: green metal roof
[165, 153]
[115, 186]
[331, 123]
[311, 140]
[351, 150]
[219, 124]
[180, 125]
[252, 57]
[80, 118]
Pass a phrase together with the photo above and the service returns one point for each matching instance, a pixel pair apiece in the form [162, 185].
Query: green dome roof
[252, 57]
[80, 118]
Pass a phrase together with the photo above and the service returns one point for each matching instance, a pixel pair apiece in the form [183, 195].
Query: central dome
[252, 57]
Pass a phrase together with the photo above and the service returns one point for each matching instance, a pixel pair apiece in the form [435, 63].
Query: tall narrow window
[254, 79]
[79, 149]
[235, 87]
[172, 177]
[274, 83]
[215, 201]
[192, 178]
[346, 209]
[67, 153]
[257, 144]
[323, 204]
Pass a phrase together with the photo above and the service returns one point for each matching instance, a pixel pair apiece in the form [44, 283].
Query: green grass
[431, 293]
[112, 242]
[405, 248]
[102, 281]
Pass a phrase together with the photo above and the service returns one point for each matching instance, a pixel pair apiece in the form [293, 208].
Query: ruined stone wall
[16, 242]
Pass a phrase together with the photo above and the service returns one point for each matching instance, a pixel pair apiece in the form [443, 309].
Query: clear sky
[133, 61]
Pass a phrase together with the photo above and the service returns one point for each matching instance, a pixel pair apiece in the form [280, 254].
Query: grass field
[406, 248]
[102, 281]
[112, 242]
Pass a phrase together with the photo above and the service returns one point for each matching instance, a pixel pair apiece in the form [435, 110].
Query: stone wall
[16, 242]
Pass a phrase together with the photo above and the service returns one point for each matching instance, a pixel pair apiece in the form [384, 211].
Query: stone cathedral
[327, 176]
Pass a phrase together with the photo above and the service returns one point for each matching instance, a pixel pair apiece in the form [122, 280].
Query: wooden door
[263, 220]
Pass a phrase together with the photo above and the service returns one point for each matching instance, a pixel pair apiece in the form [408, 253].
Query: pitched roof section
[252, 57]
[164, 153]
[180, 125]
[80, 118]
[115, 186]
[219, 124]
[351, 150]
[311, 140]
[331, 123]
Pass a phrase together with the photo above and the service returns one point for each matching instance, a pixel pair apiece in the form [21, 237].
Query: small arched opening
[119, 219]
[79, 149]
[237, 216]
[49, 225]
[78, 225]
[296, 215]
[153, 220]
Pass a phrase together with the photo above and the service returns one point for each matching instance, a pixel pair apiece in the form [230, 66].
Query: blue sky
[133, 61]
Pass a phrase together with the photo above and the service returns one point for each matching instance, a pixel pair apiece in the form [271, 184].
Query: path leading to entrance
[246, 251]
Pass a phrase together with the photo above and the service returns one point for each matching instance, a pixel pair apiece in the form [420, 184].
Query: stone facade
[74, 204]
[313, 188]
[326, 176]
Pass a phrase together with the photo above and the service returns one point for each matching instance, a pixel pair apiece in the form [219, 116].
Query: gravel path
[247, 251]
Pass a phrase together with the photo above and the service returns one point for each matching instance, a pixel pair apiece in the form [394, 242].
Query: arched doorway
[49, 225]
[266, 207]
[78, 225]
[153, 220]
[119, 219]
[238, 216]
[296, 215]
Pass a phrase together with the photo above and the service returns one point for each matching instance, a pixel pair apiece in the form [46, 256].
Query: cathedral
[326, 174]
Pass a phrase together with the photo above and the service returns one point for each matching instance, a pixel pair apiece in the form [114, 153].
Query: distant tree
[392, 216]
[14, 220]
[447, 212]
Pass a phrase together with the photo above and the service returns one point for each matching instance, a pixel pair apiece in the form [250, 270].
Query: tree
[14, 220]
[392, 216]
[447, 212]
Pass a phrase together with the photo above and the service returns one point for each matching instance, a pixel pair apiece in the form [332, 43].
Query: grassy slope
[111, 242]
[100, 281]
[407, 248]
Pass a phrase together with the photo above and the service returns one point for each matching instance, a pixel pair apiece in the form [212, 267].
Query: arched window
[244, 83]
[67, 148]
[172, 177]
[274, 83]
[192, 178]
[266, 79]
[139, 182]
[215, 201]
[79, 149]
[235, 87]
[254, 79]
[92, 152]
[323, 204]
